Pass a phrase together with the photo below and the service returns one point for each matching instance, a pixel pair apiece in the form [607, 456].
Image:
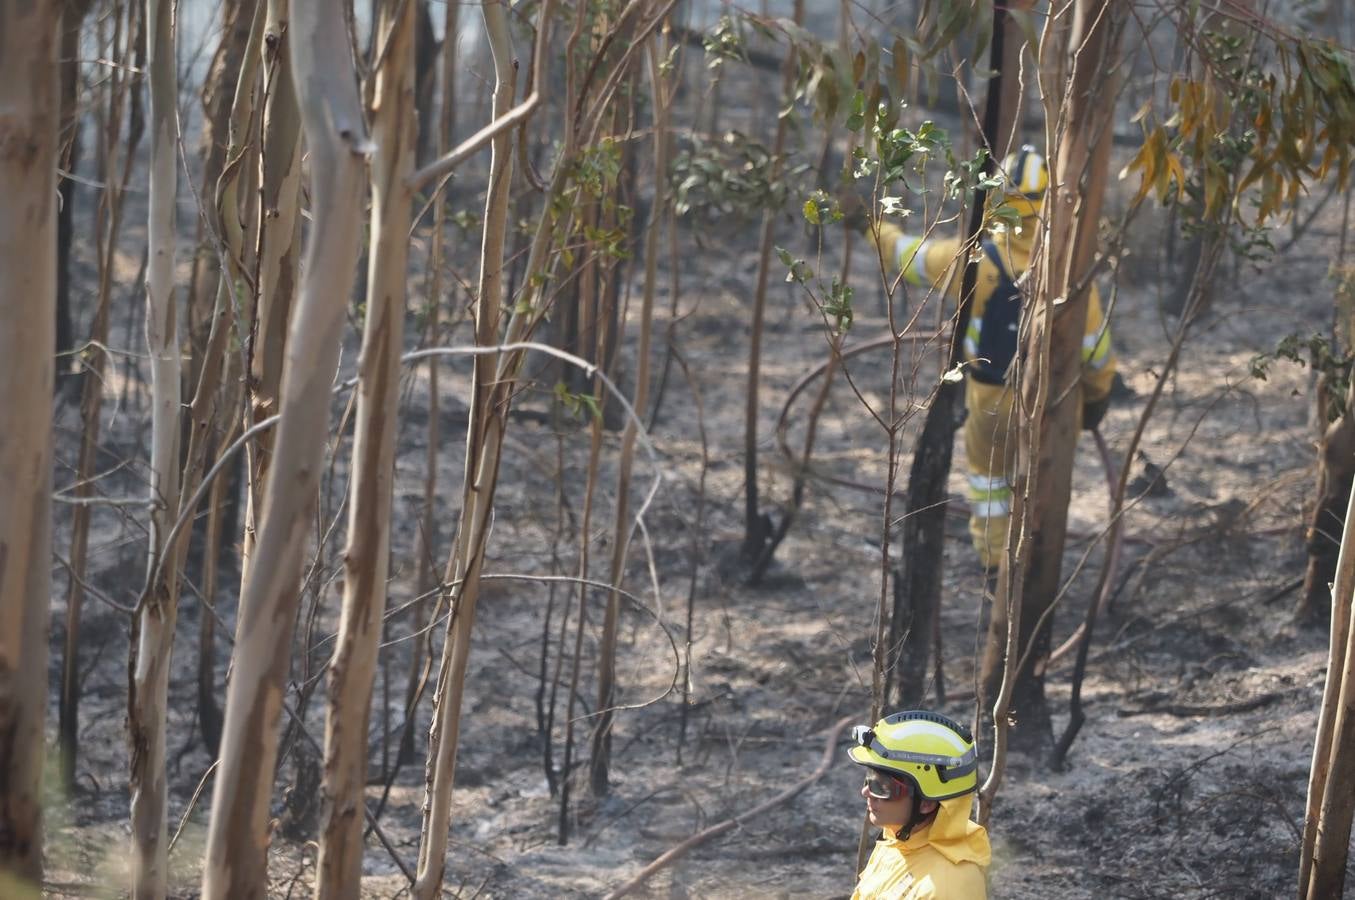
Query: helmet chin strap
[916, 818]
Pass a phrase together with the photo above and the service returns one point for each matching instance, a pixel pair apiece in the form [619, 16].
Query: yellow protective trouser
[989, 423]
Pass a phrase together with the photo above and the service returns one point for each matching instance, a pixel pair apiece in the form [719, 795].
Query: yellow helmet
[1027, 180]
[933, 753]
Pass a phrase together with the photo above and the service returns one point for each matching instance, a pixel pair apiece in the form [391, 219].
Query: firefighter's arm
[1098, 359]
[924, 262]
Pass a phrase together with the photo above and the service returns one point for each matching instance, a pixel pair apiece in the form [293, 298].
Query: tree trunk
[757, 530]
[621, 526]
[1331, 786]
[426, 58]
[367, 556]
[917, 582]
[484, 439]
[29, 109]
[74, 12]
[279, 240]
[218, 95]
[116, 169]
[1335, 473]
[223, 512]
[428, 533]
[1050, 374]
[153, 629]
[236, 859]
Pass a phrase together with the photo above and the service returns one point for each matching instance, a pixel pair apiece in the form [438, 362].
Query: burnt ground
[1187, 780]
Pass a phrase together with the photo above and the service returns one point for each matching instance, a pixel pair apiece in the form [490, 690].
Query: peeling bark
[236, 864]
[153, 628]
[367, 555]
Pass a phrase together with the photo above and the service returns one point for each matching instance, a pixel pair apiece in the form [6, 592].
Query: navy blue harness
[998, 328]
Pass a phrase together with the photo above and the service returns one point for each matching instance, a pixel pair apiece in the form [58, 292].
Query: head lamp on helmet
[934, 753]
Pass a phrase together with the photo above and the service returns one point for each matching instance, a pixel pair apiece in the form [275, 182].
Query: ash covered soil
[1187, 780]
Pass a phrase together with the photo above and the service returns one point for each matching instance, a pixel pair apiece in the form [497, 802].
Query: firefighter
[921, 769]
[990, 342]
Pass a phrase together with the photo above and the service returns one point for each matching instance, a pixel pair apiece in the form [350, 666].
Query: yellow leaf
[1178, 171]
[901, 67]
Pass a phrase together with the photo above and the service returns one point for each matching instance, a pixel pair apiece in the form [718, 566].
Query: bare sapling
[69, 155]
[917, 583]
[622, 527]
[428, 530]
[236, 859]
[275, 230]
[1047, 421]
[483, 442]
[227, 68]
[153, 629]
[367, 556]
[757, 529]
[493, 388]
[116, 169]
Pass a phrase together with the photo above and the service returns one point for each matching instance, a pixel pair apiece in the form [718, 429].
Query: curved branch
[753, 814]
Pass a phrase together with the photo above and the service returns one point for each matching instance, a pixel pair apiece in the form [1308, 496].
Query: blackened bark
[917, 591]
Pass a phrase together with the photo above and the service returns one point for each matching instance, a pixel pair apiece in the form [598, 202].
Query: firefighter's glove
[1093, 411]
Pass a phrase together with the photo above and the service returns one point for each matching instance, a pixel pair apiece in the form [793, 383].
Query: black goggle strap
[947, 767]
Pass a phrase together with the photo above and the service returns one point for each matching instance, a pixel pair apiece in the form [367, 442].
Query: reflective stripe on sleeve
[1096, 349]
[971, 338]
[990, 509]
[913, 262]
[989, 496]
[980, 482]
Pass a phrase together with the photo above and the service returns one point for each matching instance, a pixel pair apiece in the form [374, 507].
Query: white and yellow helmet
[1027, 175]
[933, 753]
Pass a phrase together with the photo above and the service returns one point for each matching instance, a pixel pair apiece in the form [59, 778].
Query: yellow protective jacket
[943, 860]
[935, 262]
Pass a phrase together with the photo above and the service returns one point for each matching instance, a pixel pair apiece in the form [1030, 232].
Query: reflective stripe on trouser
[991, 458]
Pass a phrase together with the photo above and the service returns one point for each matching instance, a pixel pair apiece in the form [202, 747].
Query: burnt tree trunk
[917, 581]
[1335, 474]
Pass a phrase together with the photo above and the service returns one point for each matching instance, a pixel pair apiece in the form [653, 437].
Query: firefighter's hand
[1093, 411]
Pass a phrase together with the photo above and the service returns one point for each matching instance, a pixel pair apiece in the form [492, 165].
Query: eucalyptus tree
[1079, 55]
[236, 859]
[157, 613]
[367, 554]
[483, 437]
[622, 527]
[29, 110]
[501, 328]
[119, 103]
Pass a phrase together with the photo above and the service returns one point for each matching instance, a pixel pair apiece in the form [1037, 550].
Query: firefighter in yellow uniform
[990, 343]
[921, 770]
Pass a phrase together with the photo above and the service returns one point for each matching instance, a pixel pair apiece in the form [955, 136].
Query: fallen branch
[729, 824]
[1191, 710]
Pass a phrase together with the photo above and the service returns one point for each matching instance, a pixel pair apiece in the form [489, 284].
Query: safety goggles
[882, 786]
